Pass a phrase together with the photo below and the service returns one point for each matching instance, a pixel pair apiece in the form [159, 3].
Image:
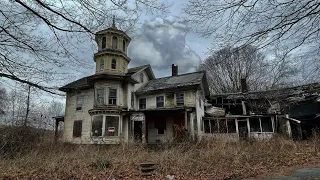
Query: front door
[137, 131]
[243, 130]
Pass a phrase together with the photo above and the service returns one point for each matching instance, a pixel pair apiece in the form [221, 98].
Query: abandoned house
[121, 105]
[293, 111]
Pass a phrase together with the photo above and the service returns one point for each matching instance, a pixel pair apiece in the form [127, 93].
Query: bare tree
[265, 23]
[38, 38]
[227, 66]
[3, 101]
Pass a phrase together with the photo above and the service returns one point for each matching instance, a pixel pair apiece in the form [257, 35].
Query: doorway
[137, 131]
[243, 130]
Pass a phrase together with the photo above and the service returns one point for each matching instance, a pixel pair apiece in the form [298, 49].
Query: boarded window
[112, 126]
[79, 102]
[112, 96]
[160, 101]
[132, 99]
[114, 42]
[254, 125]
[97, 125]
[101, 64]
[180, 99]
[77, 128]
[114, 64]
[266, 124]
[142, 103]
[100, 97]
[103, 43]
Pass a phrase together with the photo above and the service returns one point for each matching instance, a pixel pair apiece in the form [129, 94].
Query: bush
[101, 164]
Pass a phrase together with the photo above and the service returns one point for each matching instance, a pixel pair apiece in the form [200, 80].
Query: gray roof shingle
[171, 82]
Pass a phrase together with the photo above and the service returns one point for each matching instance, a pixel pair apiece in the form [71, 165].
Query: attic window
[141, 78]
[114, 64]
[180, 99]
[101, 64]
[103, 43]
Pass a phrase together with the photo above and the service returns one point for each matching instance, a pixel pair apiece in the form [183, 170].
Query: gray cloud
[162, 42]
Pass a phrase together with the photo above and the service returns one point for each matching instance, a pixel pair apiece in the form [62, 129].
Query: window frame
[124, 45]
[103, 128]
[160, 101]
[114, 64]
[74, 131]
[217, 125]
[176, 97]
[101, 63]
[260, 123]
[144, 103]
[103, 96]
[113, 98]
[132, 99]
[80, 97]
[104, 42]
[114, 42]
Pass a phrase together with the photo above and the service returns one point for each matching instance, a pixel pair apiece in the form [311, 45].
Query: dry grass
[210, 159]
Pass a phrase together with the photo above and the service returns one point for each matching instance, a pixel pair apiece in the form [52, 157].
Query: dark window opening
[79, 103]
[160, 101]
[132, 99]
[266, 124]
[101, 64]
[97, 126]
[104, 42]
[112, 96]
[231, 123]
[124, 46]
[100, 97]
[114, 64]
[254, 125]
[77, 128]
[206, 124]
[219, 126]
[142, 103]
[222, 126]
[160, 126]
[112, 126]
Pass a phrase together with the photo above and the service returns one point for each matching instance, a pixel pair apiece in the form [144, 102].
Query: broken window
[220, 126]
[112, 96]
[97, 125]
[77, 128]
[100, 96]
[101, 64]
[112, 126]
[79, 102]
[266, 124]
[180, 99]
[142, 103]
[160, 101]
[103, 43]
[254, 125]
[114, 42]
[114, 64]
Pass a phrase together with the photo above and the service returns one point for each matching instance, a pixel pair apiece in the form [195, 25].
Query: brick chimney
[174, 70]
[244, 86]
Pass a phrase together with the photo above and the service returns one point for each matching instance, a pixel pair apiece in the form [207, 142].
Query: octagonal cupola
[112, 50]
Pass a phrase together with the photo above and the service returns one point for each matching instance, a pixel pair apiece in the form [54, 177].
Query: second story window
[132, 99]
[114, 64]
[142, 103]
[101, 64]
[79, 102]
[112, 96]
[100, 97]
[180, 99]
[114, 42]
[104, 43]
[160, 101]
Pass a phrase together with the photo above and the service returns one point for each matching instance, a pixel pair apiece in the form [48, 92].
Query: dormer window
[124, 46]
[104, 43]
[114, 64]
[101, 64]
[114, 42]
[141, 78]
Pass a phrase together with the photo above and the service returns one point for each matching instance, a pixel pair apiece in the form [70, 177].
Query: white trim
[104, 123]
[164, 104]
[139, 103]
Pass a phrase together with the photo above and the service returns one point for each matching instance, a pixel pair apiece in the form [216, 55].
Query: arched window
[124, 46]
[104, 43]
[114, 64]
[114, 42]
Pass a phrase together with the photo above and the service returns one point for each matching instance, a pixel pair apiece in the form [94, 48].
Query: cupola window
[114, 64]
[101, 64]
[124, 46]
[114, 42]
[104, 43]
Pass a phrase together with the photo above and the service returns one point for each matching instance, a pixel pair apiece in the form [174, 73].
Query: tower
[112, 51]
